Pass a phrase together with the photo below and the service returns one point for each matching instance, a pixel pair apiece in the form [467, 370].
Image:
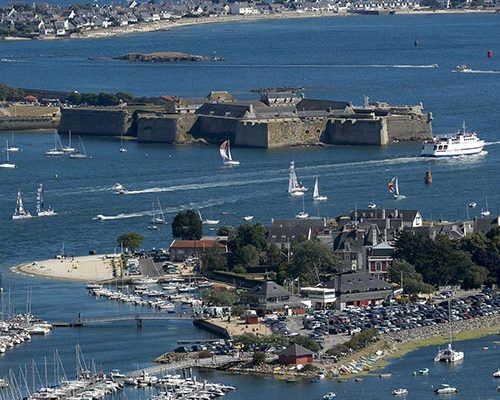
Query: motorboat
[446, 389]
[424, 371]
[225, 153]
[372, 205]
[247, 218]
[329, 396]
[472, 204]
[462, 68]
[462, 143]
[496, 374]
[118, 186]
[400, 392]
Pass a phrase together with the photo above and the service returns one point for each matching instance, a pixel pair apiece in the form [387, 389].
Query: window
[378, 266]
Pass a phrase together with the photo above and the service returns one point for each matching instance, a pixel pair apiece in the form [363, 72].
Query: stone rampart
[357, 132]
[26, 123]
[95, 121]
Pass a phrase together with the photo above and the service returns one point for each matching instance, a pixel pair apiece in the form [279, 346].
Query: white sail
[316, 188]
[223, 150]
[39, 199]
[295, 188]
[396, 186]
[20, 212]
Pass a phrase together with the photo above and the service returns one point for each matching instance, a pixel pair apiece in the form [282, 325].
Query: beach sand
[86, 268]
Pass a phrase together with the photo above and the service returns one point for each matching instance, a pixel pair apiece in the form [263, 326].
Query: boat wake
[492, 143]
[102, 217]
[479, 71]
[424, 66]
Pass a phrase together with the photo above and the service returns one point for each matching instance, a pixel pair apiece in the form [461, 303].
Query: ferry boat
[460, 144]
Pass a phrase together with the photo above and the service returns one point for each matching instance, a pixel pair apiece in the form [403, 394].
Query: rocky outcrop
[166, 56]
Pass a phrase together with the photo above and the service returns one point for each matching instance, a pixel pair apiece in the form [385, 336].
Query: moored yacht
[446, 389]
[463, 143]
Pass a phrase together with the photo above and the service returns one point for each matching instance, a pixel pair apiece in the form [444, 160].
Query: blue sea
[334, 58]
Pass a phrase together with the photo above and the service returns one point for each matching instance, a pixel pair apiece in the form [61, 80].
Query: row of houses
[60, 21]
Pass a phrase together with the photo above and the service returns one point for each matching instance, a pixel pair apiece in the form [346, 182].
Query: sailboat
[78, 153]
[20, 212]
[316, 195]
[208, 221]
[225, 153]
[295, 188]
[157, 214]
[393, 187]
[448, 354]
[13, 148]
[40, 211]
[485, 212]
[302, 214]
[56, 151]
[7, 163]
[122, 145]
[68, 148]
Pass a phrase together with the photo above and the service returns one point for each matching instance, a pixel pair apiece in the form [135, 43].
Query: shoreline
[92, 268]
[167, 25]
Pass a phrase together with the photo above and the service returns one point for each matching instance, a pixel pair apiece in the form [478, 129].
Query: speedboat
[247, 217]
[462, 68]
[446, 389]
[424, 371]
[302, 215]
[118, 187]
[400, 392]
[372, 205]
[472, 204]
[496, 374]
[329, 396]
[462, 143]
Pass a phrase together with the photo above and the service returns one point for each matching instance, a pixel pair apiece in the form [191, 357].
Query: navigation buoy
[490, 53]
[416, 42]
[428, 177]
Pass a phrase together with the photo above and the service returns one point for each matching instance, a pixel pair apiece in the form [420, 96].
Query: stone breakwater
[428, 332]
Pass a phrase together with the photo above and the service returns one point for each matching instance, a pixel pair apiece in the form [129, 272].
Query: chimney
[383, 213]
[374, 236]
[396, 213]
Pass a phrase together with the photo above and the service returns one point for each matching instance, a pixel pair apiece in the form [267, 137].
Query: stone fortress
[278, 119]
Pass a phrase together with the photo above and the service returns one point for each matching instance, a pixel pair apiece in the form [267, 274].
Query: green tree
[223, 230]
[474, 277]
[187, 225]
[310, 258]
[246, 256]
[250, 234]
[130, 240]
[219, 297]
[274, 257]
[213, 260]
[125, 97]
[74, 98]
[258, 357]
[412, 281]
[107, 99]
[307, 342]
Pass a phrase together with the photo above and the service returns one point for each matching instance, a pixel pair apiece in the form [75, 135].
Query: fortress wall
[164, 128]
[252, 134]
[25, 123]
[90, 121]
[407, 127]
[357, 132]
[214, 129]
[293, 132]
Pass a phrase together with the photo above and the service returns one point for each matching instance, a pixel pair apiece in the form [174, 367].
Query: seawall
[95, 121]
[25, 117]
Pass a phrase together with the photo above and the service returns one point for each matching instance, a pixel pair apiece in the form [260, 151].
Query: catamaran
[7, 163]
[77, 153]
[68, 148]
[40, 211]
[56, 151]
[157, 216]
[20, 212]
[208, 221]
[393, 187]
[13, 148]
[225, 153]
[448, 354]
[316, 195]
[295, 188]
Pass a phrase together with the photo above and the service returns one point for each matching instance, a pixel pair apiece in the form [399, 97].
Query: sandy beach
[93, 268]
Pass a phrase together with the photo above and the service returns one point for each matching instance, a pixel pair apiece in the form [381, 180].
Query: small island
[166, 56]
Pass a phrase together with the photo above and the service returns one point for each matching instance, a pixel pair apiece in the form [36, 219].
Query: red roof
[196, 244]
[30, 98]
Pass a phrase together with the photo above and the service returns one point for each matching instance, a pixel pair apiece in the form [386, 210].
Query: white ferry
[460, 144]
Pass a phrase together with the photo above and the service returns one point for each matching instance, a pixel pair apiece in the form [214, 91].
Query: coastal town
[266, 203]
[47, 21]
